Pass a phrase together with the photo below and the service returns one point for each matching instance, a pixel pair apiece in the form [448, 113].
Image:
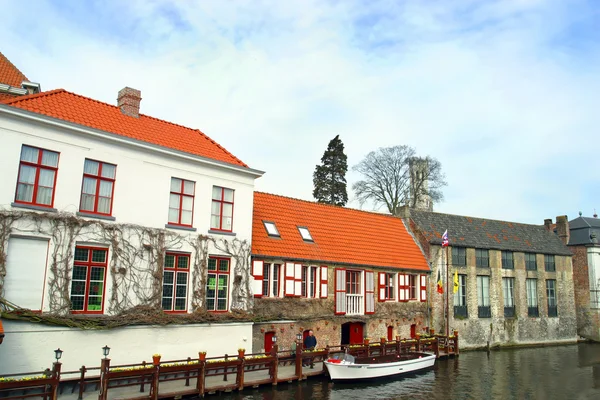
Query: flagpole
[447, 301]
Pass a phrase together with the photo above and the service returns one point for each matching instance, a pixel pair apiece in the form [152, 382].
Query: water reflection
[561, 372]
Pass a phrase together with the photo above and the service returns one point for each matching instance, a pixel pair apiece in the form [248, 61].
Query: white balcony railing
[355, 304]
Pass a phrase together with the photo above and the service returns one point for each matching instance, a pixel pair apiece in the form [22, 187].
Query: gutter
[123, 140]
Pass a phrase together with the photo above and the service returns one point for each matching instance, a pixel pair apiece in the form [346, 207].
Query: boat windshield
[349, 358]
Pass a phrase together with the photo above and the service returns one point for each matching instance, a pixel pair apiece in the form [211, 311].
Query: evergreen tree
[329, 179]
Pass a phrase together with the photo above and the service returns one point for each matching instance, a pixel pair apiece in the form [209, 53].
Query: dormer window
[305, 234]
[271, 229]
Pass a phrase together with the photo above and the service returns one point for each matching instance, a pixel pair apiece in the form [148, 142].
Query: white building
[108, 212]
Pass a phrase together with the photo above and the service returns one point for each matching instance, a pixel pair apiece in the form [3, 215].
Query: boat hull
[341, 371]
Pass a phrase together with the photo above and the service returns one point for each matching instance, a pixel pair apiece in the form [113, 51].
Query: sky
[505, 94]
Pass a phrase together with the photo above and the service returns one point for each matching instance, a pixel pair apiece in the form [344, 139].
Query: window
[460, 298]
[221, 217]
[304, 232]
[89, 277]
[97, 188]
[459, 256]
[175, 278]
[549, 264]
[271, 229]
[389, 286]
[508, 289]
[309, 282]
[551, 295]
[482, 258]
[483, 297]
[532, 301]
[530, 262]
[353, 282]
[181, 202]
[217, 284]
[37, 176]
[508, 261]
[271, 280]
[412, 287]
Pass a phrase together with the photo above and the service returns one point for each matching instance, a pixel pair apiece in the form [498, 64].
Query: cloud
[503, 93]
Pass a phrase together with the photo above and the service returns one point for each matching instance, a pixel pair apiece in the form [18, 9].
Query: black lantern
[105, 351]
[58, 354]
[299, 337]
[274, 339]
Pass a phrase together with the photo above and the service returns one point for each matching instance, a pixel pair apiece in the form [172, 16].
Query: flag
[455, 281]
[440, 287]
[445, 239]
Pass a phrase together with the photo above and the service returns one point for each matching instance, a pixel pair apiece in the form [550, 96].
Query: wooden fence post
[83, 370]
[143, 378]
[56, 378]
[239, 377]
[154, 387]
[200, 379]
[436, 347]
[299, 361]
[274, 364]
[104, 367]
[225, 369]
[398, 345]
[456, 342]
[187, 373]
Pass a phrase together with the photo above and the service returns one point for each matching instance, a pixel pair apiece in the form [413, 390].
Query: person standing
[310, 343]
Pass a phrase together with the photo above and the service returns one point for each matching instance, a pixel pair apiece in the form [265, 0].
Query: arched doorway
[352, 333]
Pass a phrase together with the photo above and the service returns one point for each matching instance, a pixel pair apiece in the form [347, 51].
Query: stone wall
[588, 320]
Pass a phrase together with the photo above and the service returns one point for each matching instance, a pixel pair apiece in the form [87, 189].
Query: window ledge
[222, 233]
[33, 207]
[183, 228]
[97, 216]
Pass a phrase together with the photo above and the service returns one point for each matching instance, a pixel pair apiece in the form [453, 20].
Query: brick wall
[588, 320]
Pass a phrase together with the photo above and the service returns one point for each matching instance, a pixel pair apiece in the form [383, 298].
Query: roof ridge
[330, 205]
[481, 218]
[33, 96]
[14, 66]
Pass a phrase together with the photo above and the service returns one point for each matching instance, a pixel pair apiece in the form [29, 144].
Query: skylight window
[271, 229]
[305, 234]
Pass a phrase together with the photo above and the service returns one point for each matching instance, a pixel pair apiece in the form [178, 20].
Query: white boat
[348, 367]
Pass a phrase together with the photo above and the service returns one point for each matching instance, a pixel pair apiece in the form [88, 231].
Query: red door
[390, 333]
[269, 341]
[356, 333]
[304, 335]
[413, 331]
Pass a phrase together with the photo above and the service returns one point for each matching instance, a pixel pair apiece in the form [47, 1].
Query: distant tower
[418, 168]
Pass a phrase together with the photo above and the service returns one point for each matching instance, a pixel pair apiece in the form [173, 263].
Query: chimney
[403, 212]
[129, 100]
[548, 223]
[562, 228]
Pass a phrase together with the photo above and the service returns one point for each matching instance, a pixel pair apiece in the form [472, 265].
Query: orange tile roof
[82, 110]
[9, 74]
[341, 235]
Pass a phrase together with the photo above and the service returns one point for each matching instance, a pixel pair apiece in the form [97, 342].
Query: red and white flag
[445, 241]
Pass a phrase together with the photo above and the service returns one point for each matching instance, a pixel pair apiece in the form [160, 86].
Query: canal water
[557, 372]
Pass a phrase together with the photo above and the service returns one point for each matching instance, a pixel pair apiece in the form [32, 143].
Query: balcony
[533, 311]
[355, 304]
[461, 312]
[552, 311]
[509, 312]
[484, 312]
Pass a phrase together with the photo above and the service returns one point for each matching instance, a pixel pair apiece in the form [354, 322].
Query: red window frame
[38, 165]
[89, 264]
[176, 269]
[268, 280]
[389, 288]
[353, 282]
[221, 203]
[182, 194]
[217, 272]
[99, 179]
[412, 287]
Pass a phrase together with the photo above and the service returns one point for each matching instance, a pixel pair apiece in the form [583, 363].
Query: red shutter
[340, 291]
[324, 288]
[401, 287]
[381, 286]
[289, 279]
[257, 274]
[406, 287]
[423, 288]
[370, 292]
[298, 280]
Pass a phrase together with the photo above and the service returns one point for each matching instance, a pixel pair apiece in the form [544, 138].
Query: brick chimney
[129, 100]
[562, 228]
[548, 224]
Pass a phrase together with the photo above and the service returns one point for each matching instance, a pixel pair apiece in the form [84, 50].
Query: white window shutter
[298, 279]
[370, 292]
[257, 274]
[381, 286]
[401, 287]
[289, 279]
[340, 291]
[324, 288]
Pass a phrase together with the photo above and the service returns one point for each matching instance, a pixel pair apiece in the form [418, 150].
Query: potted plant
[455, 333]
[156, 359]
[367, 341]
[241, 352]
[202, 355]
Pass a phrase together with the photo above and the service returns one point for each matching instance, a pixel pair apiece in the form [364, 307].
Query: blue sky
[504, 93]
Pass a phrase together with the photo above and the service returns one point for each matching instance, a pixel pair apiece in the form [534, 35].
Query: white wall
[30, 347]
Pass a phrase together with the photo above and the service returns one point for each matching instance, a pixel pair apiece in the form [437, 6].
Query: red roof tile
[9, 74]
[341, 235]
[88, 112]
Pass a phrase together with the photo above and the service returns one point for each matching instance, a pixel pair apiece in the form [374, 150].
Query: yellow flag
[455, 281]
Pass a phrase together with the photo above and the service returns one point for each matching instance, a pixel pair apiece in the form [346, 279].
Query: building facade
[111, 215]
[346, 274]
[514, 282]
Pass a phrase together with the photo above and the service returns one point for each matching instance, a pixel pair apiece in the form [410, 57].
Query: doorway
[413, 331]
[390, 332]
[268, 345]
[352, 333]
[304, 335]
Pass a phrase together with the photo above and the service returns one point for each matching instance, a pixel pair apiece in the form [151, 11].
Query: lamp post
[58, 354]
[106, 351]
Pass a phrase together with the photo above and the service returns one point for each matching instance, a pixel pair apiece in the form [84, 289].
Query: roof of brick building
[74, 108]
[584, 231]
[483, 233]
[9, 74]
[340, 235]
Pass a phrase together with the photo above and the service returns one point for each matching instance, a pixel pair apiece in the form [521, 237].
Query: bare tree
[394, 177]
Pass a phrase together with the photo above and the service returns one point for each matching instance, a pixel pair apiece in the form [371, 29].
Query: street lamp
[299, 337]
[274, 339]
[105, 351]
[58, 354]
